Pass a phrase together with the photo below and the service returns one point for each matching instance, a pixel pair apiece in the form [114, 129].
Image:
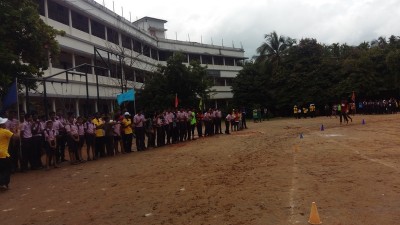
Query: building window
[115, 69]
[64, 61]
[137, 46]
[164, 55]
[58, 12]
[112, 36]
[129, 73]
[41, 7]
[214, 73]
[194, 57]
[98, 29]
[206, 59]
[154, 54]
[139, 74]
[229, 81]
[101, 71]
[146, 50]
[80, 22]
[126, 41]
[229, 62]
[218, 81]
[218, 60]
[79, 60]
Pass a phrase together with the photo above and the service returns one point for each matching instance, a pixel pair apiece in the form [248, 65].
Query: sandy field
[266, 174]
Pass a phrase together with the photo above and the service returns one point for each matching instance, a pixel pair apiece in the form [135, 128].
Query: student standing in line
[127, 135]
[193, 122]
[150, 133]
[81, 133]
[228, 119]
[109, 136]
[37, 141]
[50, 145]
[99, 139]
[58, 126]
[72, 140]
[89, 138]
[139, 121]
[12, 124]
[168, 126]
[199, 123]
[26, 143]
[5, 161]
[117, 135]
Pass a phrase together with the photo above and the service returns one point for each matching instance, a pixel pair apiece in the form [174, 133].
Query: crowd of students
[25, 140]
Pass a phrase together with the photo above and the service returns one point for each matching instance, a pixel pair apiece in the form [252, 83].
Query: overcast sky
[246, 22]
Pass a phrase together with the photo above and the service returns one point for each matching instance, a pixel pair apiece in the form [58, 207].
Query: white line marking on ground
[390, 165]
[295, 170]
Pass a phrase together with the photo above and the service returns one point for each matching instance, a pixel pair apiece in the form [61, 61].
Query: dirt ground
[266, 174]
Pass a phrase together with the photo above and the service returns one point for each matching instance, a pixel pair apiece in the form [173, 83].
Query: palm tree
[274, 48]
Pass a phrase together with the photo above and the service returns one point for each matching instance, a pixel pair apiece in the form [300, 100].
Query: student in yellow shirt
[5, 162]
[127, 135]
[99, 148]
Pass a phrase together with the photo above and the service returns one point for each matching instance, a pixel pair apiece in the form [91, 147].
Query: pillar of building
[53, 104]
[46, 10]
[77, 107]
[24, 105]
[73, 60]
[92, 63]
[96, 109]
[70, 20]
[90, 28]
[112, 106]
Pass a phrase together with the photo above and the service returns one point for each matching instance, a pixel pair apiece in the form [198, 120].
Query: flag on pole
[176, 100]
[353, 97]
[125, 97]
[11, 97]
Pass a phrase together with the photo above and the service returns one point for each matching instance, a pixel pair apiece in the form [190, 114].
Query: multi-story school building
[118, 55]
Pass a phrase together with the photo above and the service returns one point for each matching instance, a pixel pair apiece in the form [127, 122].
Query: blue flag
[127, 96]
[11, 97]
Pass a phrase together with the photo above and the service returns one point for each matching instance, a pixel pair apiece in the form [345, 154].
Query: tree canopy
[188, 83]
[26, 43]
[307, 72]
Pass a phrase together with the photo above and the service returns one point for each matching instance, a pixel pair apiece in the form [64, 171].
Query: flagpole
[16, 88]
[18, 119]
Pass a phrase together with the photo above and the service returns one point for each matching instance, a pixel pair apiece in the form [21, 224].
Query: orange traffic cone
[314, 217]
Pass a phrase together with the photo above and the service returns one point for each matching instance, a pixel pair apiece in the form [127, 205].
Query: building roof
[149, 18]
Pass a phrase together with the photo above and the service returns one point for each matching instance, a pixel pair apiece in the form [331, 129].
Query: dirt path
[263, 175]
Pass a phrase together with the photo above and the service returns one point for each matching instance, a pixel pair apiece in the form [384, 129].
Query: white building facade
[119, 54]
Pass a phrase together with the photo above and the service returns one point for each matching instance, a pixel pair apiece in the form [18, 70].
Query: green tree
[393, 64]
[274, 48]
[26, 42]
[189, 83]
[250, 87]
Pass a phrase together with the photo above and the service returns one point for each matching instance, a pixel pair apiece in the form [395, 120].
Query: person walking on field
[5, 161]
[344, 109]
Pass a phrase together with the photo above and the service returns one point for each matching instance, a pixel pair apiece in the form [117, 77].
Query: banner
[125, 97]
[11, 97]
